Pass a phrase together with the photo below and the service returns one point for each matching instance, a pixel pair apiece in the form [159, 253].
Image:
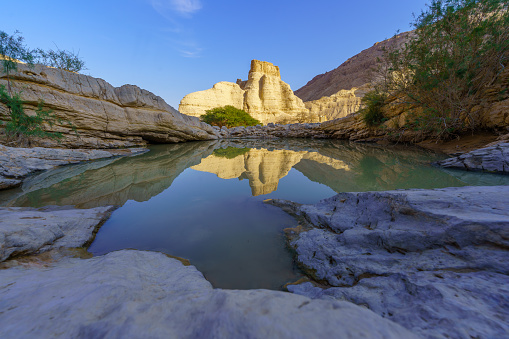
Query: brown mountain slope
[354, 72]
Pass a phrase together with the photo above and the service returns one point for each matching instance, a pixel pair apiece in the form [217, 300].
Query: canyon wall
[104, 116]
[263, 95]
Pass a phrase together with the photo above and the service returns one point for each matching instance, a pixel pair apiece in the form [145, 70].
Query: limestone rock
[104, 116]
[264, 96]
[355, 72]
[17, 163]
[338, 105]
[135, 294]
[489, 159]
[435, 261]
[25, 230]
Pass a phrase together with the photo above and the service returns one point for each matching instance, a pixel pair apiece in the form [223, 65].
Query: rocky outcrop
[338, 105]
[355, 72]
[135, 294]
[298, 130]
[489, 159]
[25, 230]
[104, 116]
[433, 261]
[264, 96]
[17, 163]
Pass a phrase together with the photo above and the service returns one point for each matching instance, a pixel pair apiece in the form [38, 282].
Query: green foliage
[60, 59]
[373, 103]
[228, 116]
[230, 152]
[459, 47]
[24, 126]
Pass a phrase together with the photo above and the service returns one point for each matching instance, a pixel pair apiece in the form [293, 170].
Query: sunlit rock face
[264, 96]
[263, 168]
[104, 116]
[338, 105]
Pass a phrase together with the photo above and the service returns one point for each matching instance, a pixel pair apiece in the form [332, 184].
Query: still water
[203, 201]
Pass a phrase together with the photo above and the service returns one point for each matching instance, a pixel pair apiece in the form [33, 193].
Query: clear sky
[175, 47]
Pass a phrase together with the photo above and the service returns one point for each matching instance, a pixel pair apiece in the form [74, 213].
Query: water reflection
[341, 166]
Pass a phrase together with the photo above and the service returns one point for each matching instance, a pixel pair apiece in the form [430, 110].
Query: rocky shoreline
[420, 263]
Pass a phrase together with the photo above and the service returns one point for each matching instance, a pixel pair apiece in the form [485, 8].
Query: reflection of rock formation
[112, 182]
[263, 168]
[264, 96]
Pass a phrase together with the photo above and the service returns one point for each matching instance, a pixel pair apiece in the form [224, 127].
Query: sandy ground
[462, 144]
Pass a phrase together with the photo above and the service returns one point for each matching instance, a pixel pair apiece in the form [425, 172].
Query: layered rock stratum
[356, 72]
[434, 261]
[136, 294]
[263, 95]
[104, 116]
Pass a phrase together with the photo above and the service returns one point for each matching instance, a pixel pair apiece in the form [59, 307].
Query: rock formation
[136, 294]
[338, 105]
[264, 96]
[25, 230]
[17, 163]
[355, 72]
[489, 159]
[104, 116]
[433, 261]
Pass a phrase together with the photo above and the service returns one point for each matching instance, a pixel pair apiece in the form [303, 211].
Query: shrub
[21, 127]
[228, 116]
[458, 48]
[373, 103]
[24, 126]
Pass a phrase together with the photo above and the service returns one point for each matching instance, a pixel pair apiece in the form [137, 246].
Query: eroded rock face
[338, 105]
[104, 116]
[434, 261]
[489, 159]
[264, 96]
[17, 163]
[25, 230]
[135, 294]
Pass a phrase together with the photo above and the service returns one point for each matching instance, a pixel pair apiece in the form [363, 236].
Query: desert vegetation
[228, 116]
[21, 127]
[439, 77]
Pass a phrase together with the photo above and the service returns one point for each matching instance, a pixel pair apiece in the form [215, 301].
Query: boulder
[489, 159]
[264, 96]
[17, 163]
[104, 116]
[136, 294]
[25, 230]
[434, 261]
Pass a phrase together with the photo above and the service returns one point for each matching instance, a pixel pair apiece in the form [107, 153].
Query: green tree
[228, 116]
[458, 49]
[21, 127]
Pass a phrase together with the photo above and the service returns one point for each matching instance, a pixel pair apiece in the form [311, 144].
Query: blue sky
[175, 47]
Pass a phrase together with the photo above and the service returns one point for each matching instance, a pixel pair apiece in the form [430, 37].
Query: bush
[458, 49]
[228, 116]
[24, 126]
[372, 113]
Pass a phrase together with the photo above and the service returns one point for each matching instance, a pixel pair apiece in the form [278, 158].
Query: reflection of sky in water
[174, 200]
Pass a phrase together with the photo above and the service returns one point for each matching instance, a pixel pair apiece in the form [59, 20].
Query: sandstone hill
[104, 116]
[355, 72]
[263, 95]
